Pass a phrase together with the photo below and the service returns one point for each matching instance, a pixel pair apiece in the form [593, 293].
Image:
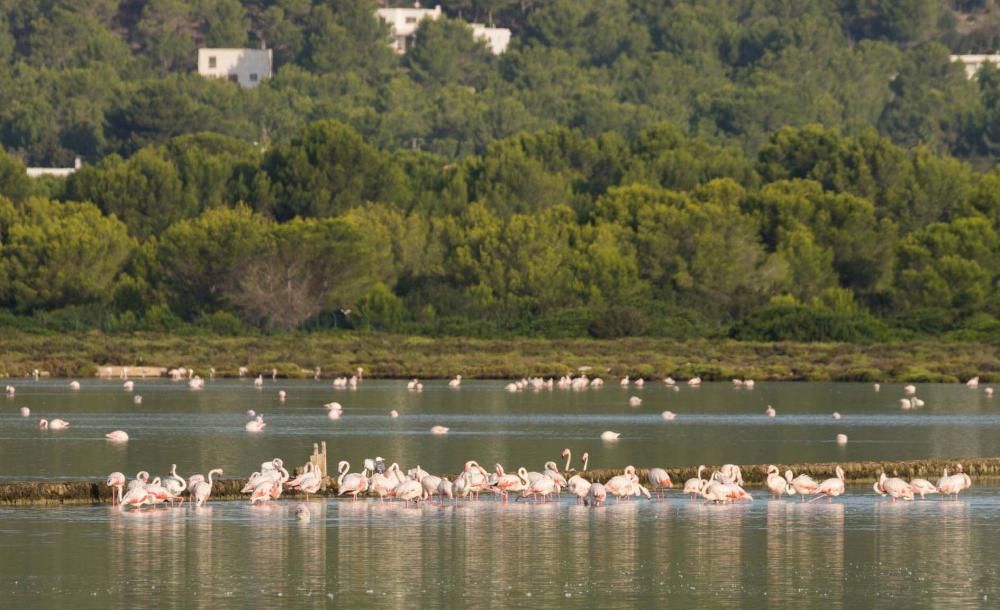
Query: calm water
[715, 424]
[858, 550]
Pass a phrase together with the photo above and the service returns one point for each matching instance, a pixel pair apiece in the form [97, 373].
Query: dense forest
[760, 169]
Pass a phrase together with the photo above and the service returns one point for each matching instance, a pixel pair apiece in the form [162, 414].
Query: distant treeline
[96, 77]
[819, 236]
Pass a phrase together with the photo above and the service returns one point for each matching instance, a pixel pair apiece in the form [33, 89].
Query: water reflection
[805, 534]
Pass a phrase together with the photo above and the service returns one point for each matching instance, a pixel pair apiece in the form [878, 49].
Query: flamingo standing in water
[566, 453]
[117, 481]
[659, 480]
[175, 484]
[894, 487]
[777, 483]
[507, 483]
[695, 486]
[255, 425]
[922, 487]
[804, 485]
[831, 488]
[202, 490]
[353, 483]
[596, 495]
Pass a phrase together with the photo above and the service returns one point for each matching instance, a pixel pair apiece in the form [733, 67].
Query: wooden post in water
[318, 461]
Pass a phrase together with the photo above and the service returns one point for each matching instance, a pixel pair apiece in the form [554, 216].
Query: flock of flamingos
[725, 485]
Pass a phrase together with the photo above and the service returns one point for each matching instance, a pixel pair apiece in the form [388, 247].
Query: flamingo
[128, 386]
[135, 497]
[721, 492]
[836, 415]
[640, 382]
[194, 480]
[543, 486]
[454, 383]
[308, 482]
[282, 395]
[196, 383]
[25, 411]
[669, 381]
[668, 415]
[586, 460]
[972, 383]
[624, 382]
[596, 495]
[74, 385]
[255, 425]
[694, 382]
[696, 485]
[910, 389]
[507, 483]
[831, 488]
[409, 490]
[175, 484]
[118, 436]
[841, 439]
[777, 483]
[137, 399]
[770, 412]
[804, 485]
[922, 486]
[876, 387]
[621, 485]
[608, 435]
[10, 391]
[55, 424]
[259, 382]
[446, 489]
[440, 430]
[202, 490]
[731, 473]
[117, 481]
[579, 486]
[967, 481]
[394, 414]
[659, 480]
[566, 453]
[894, 487]
[353, 483]
[634, 401]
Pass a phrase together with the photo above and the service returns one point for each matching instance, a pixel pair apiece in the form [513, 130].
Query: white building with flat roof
[497, 39]
[248, 67]
[58, 172]
[974, 62]
[403, 23]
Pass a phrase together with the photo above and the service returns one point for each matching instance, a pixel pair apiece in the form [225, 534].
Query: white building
[974, 62]
[403, 23]
[496, 39]
[58, 172]
[248, 67]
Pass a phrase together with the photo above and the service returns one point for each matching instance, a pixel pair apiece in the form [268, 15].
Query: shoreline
[384, 356]
[95, 492]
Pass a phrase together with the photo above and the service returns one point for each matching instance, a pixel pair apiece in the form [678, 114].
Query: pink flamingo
[596, 495]
[55, 424]
[203, 489]
[118, 436]
[354, 483]
[922, 487]
[116, 480]
[695, 486]
[894, 487]
[507, 483]
[543, 487]
[659, 480]
[804, 485]
[777, 483]
[831, 488]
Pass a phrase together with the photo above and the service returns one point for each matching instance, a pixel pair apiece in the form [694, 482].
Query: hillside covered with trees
[814, 170]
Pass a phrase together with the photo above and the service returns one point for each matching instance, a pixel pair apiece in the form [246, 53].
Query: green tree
[58, 254]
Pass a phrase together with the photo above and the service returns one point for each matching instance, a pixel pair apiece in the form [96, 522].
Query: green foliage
[792, 322]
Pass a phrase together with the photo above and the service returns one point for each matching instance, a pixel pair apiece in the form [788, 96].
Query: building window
[234, 78]
[253, 77]
[411, 20]
[211, 61]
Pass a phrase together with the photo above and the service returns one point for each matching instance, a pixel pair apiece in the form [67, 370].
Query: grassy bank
[297, 355]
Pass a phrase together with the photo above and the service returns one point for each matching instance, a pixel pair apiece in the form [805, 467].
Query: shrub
[618, 321]
[792, 322]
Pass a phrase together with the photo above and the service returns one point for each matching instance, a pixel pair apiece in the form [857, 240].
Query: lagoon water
[856, 551]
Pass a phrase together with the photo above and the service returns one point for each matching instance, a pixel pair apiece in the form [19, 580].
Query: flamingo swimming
[55, 424]
[608, 435]
[118, 436]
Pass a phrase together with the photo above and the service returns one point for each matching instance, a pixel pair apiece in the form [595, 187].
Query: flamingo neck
[586, 460]
[569, 457]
